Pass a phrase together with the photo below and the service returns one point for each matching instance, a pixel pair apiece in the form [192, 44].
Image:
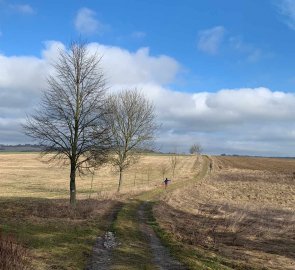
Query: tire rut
[101, 257]
[161, 256]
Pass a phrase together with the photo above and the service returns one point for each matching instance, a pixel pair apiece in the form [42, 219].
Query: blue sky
[171, 28]
[228, 63]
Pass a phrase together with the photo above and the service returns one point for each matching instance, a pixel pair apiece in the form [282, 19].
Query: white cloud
[245, 120]
[23, 78]
[87, 23]
[23, 8]
[211, 39]
[287, 9]
[124, 67]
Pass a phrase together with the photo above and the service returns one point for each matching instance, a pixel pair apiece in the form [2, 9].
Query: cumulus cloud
[87, 23]
[223, 110]
[124, 67]
[287, 9]
[243, 121]
[23, 78]
[23, 8]
[254, 121]
[211, 39]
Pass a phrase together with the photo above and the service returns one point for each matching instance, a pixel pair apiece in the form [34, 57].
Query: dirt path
[161, 257]
[139, 244]
[101, 258]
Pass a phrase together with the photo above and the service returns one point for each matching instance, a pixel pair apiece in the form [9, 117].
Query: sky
[220, 73]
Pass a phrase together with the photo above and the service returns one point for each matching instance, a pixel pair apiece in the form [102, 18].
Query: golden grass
[244, 211]
[24, 175]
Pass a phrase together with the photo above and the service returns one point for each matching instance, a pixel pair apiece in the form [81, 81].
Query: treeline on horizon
[37, 148]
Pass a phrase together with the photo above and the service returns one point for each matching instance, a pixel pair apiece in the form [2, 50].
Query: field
[239, 215]
[34, 204]
[243, 212]
[26, 175]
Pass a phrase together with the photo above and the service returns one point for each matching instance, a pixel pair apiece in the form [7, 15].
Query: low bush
[12, 255]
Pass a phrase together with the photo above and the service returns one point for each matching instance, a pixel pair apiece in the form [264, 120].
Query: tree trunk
[91, 186]
[73, 185]
[120, 180]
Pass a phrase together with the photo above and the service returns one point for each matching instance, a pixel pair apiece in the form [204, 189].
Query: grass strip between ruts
[133, 251]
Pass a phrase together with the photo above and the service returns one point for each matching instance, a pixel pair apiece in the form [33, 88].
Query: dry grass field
[34, 207]
[241, 215]
[25, 175]
[244, 211]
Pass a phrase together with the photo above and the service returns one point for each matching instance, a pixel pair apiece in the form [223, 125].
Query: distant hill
[20, 148]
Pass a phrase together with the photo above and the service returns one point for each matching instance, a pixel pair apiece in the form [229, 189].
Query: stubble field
[244, 211]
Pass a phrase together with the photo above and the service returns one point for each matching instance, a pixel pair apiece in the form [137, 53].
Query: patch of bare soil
[161, 257]
[101, 258]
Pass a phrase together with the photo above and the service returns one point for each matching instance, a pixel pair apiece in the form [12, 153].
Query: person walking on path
[166, 182]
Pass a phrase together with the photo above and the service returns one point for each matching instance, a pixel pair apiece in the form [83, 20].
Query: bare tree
[70, 123]
[163, 169]
[132, 122]
[196, 149]
[174, 160]
[148, 171]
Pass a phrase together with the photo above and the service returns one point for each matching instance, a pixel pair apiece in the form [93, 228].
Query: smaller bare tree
[163, 169]
[148, 171]
[174, 160]
[196, 149]
[132, 121]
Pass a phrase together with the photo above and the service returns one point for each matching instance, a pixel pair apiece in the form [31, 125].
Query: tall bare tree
[70, 124]
[132, 122]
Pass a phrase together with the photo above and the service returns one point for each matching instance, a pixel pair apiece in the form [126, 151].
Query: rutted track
[139, 246]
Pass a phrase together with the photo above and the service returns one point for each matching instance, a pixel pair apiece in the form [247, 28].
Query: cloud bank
[243, 121]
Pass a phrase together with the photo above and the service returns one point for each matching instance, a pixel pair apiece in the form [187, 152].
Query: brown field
[244, 211]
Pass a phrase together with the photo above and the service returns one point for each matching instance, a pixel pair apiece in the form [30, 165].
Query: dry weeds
[12, 254]
[56, 235]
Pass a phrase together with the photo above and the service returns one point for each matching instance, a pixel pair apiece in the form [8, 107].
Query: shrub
[12, 255]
